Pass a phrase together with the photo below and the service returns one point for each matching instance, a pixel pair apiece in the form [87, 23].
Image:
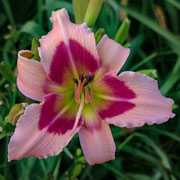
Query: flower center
[82, 84]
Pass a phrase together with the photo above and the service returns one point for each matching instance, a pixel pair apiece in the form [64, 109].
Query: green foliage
[147, 153]
[123, 31]
[99, 34]
[6, 72]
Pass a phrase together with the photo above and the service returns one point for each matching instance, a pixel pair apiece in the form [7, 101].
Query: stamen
[89, 97]
[76, 94]
[81, 84]
[78, 89]
[92, 78]
[75, 81]
[81, 77]
[88, 79]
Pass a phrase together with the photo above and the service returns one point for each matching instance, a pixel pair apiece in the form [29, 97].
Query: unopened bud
[99, 34]
[149, 72]
[78, 151]
[16, 111]
[34, 48]
[92, 12]
[81, 160]
[76, 171]
[122, 33]
[80, 7]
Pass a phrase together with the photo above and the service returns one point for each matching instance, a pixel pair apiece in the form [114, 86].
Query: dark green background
[147, 153]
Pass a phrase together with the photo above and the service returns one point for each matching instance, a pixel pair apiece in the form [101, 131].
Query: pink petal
[68, 50]
[112, 54]
[111, 96]
[147, 105]
[41, 134]
[31, 78]
[96, 139]
[58, 116]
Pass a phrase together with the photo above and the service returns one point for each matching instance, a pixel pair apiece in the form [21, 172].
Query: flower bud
[99, 34]
[78, 152]
[92, 12]
[81, 160]
[149, 72]
[16, 111]
[80, 7]
[123, 31]
[34, 48]
[76, 171]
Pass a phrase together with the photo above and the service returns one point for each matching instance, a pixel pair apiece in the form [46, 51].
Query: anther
[92, 78]
[88, 79]
[81, 84]
[75, 81]
[81, 77]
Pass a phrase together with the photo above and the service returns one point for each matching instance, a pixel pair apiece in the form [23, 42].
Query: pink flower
[79, 91]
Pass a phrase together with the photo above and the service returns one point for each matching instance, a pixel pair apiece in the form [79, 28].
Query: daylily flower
[79, 91]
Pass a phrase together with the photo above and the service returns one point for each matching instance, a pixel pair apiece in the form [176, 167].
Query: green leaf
[32, 28]
[2, 135]
[147, 59]
[2, 177]
[9, 13]
[3, 19]
[173, 77]
[56, 170]
[68, 153]
[6, 72]
[173, 42]
[174, 3]
[147, 140]
[115, 171]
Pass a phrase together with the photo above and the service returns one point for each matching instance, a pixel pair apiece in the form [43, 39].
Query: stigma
[82, 84]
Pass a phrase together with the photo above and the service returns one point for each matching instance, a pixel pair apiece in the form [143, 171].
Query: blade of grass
[172, 78]
[148, 141]
[147, 59]
[68, 153]
[140, 154]
[9, 13]
[40, 12]
[174, 3]
[43, 167]
[172, 39]
[137, 176]
[56, 170]
[163, 132]
[85, 173]
[115, 171]
[32, 28]
[135, 46]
